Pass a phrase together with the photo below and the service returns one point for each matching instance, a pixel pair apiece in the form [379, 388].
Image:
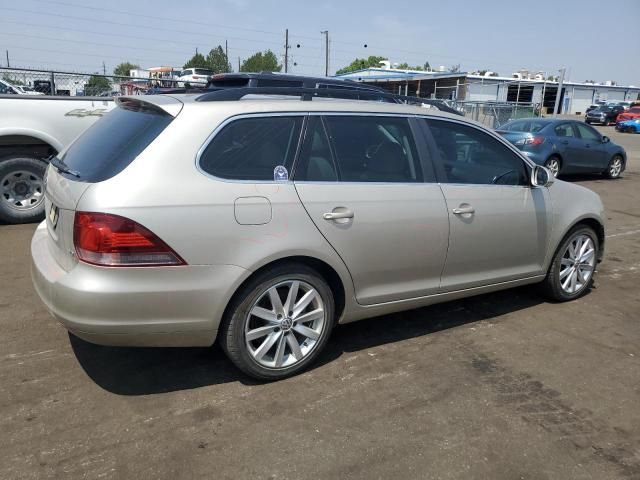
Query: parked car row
[608, 114]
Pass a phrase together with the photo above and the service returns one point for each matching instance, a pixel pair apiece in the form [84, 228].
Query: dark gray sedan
[566, 146]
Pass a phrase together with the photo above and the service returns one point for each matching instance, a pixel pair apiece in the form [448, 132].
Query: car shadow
[144, 371]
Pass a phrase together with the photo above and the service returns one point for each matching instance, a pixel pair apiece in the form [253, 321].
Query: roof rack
[308, 94]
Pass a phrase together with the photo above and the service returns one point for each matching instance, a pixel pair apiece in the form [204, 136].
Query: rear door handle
[338, 215]
[463, 209]
[565, 142]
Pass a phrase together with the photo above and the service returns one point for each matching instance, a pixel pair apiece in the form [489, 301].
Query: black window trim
[243, 116]
[438, 162]
[424, 155]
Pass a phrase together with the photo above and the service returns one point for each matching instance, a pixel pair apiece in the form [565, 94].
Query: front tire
[279, 323]
[571, 272]
[22, 190]
[614, 169]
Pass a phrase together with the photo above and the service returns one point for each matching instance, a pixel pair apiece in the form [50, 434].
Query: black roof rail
[307, 94]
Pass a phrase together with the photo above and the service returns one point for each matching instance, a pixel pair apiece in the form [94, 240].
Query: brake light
[530, 141]
[114, 241]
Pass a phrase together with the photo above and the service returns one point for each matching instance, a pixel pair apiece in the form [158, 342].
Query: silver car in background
[263, 222]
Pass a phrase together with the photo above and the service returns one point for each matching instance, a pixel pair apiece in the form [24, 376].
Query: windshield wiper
[62, 167]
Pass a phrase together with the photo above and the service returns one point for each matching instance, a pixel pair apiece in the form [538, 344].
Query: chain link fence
[496, 114]
[42, 82]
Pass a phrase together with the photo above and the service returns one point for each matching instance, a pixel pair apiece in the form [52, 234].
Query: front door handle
[464, 209]
[338, 215]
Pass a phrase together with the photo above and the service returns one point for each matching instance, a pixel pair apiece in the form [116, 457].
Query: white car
[195, 75]
[7, 88]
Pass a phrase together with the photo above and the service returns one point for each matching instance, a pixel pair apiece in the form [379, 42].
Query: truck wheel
[22, 190]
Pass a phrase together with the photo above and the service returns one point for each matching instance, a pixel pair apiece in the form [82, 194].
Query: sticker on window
[280, 174]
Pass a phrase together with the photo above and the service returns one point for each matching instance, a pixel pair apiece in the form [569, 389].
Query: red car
[631, 114]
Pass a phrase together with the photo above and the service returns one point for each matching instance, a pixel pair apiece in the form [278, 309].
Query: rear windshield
[202, 71]
[530, 126]
[114, 141]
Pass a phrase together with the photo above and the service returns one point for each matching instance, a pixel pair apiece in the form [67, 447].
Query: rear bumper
[144, 306]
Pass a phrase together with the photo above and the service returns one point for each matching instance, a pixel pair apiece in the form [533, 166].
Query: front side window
[373, 149]
[587, 133]
[251, 148]
[470, 156]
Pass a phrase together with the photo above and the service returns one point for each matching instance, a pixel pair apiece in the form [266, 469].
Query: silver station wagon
[262, 222]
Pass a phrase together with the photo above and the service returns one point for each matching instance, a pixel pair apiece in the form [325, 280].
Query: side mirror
[541, 177]
[605, 139]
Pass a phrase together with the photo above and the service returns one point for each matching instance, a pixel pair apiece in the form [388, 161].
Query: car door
[364, 184]
[499, 224]
[569, 146]
[594, 158]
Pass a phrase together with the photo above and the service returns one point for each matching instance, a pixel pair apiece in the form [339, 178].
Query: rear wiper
[62, 167]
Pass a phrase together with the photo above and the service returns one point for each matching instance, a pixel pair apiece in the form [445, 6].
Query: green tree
[427, 66]
[361, 63]
[197, 61]
[124, 69]
[217, 60]
[261, 62]
[97, 85]
[454, 68]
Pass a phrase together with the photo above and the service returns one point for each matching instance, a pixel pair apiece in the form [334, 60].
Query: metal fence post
[53, 84]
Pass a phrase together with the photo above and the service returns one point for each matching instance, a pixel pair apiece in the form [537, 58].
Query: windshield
[114, 141]
[203, 71]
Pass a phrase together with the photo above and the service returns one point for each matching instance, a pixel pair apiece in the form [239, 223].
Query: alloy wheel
[577, 264]
[554, 166]
[22, 190]
[284, 325]
[616, 167]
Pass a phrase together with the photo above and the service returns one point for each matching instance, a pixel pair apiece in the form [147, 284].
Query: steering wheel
[372, 150]
[499, 177]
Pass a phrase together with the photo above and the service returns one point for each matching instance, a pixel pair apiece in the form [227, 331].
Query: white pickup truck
[32, 129]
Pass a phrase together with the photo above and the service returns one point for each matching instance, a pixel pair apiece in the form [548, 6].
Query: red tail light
[537, 140]
[114, 241]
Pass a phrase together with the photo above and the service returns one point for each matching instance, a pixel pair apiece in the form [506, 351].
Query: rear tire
[265, 334]
[22, 190]
[614, 169]
[572, 270]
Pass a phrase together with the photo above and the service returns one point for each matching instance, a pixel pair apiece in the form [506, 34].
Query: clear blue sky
[499, 35]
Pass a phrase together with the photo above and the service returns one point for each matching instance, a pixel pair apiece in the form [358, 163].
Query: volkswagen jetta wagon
[261, 223]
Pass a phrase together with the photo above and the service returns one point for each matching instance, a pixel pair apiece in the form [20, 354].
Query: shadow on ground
[142, 371]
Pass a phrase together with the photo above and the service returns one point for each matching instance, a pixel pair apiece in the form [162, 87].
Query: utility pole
[286, 50]
[559, 92]
[326, 52]
[238, 64]
[226, 54]
[8, 58]
[104, 69]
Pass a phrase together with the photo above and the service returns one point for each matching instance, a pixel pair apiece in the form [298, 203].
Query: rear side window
[373, 149]
[252, 148]
[564, 130]
[470, 156]
[114, 141]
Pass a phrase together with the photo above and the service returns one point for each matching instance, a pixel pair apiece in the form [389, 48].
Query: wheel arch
[325, 270]
[588, 221]
[18, 141]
